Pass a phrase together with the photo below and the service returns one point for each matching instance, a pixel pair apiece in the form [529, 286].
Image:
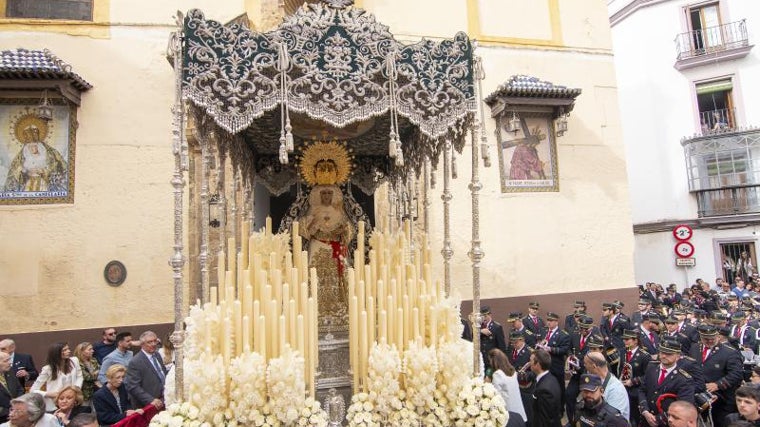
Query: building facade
[687, 74]
[573, 241]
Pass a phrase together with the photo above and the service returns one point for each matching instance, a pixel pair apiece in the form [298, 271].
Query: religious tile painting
[528, 156]
[36, 155]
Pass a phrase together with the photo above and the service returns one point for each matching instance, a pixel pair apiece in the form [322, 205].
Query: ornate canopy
[328, 72]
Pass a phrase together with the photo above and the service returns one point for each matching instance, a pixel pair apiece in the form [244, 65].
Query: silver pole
[447, 252]
[177, 260]
[476, 253]
[222, 191]
[203, 258]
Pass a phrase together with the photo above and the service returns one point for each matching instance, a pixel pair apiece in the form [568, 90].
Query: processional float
[327, 102]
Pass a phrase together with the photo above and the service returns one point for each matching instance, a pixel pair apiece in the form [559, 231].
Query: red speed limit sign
[682, 232]
[684, 249]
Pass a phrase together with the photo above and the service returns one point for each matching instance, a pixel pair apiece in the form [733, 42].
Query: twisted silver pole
[177, 260]
[203, 256]
[447, 252]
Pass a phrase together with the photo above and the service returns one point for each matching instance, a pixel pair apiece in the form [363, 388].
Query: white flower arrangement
[207, 386]
[362, 412]
[421, 368]
[248, 385]
[479, 404]
[286, 385]
[383, 381]
[312, 414]
[179, 415]
[454, 359]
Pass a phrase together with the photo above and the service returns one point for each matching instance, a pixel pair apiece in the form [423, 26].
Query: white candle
[300, 335]
[399, 325]
[282, 327]
[383, 320]
[292, 339]
[353, 307]
[254, 319]
[268, 226]
[246, 334]
[238, 324]
[433, 326]
[363, 347]
[273, 321]
[262, 333]
[415, 323]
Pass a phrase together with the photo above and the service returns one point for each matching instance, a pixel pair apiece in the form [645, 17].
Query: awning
[716, 86]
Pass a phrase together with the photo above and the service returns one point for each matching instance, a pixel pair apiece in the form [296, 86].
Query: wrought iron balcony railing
[728, 201]
[712, 39]
[716, 121]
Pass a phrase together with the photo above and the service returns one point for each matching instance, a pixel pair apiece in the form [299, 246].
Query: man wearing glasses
[106, 346]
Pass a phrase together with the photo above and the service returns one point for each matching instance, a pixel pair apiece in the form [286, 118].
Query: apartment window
[738, 259]
[716, 107]
[78, 10]
[705, 26]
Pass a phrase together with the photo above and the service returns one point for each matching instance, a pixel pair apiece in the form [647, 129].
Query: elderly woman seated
[111, 402]
[29, 411]
[69, 403]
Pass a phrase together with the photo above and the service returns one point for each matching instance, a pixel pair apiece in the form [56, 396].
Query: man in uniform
[594, 411]
[491, 335]
[557, 343]
[638, 359]
[516, 319]
[722, 366]
[671, 325]
[532, 321]
[579, 308]
[578, 348]
[663, 377]
[742, 335]
[519, 357]
[644, 307]
[648, 336]
[612, 327]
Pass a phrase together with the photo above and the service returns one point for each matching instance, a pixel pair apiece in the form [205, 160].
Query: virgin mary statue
[327, 227]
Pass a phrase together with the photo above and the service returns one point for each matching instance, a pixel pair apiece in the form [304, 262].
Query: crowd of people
[681, 359]
[98, 384]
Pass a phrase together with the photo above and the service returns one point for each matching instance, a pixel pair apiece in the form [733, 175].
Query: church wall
[573, 241]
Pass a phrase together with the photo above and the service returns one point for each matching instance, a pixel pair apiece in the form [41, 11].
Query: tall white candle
[363, 347]
[246, 334]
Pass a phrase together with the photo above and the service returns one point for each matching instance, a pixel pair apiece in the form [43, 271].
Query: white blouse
[72, 378]
[509, 390]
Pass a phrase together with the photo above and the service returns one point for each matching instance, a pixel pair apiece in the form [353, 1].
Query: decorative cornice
[24, 64]
[632, 7]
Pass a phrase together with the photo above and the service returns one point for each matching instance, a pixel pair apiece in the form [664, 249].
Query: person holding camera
[593, 410]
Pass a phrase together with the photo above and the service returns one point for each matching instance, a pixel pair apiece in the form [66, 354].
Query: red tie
[610, 323]
[548, 336]
[651, 337]
[737, 332]
[535, 320]
[583, 341]
[663, 371]
[628, 356]
[514, 355]
[704, 353]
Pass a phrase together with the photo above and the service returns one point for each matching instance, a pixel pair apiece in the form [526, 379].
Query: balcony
[723, 42]
[723, 166]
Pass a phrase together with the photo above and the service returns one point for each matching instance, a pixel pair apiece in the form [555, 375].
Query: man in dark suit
[644, 307]
[22, 364]
[532, 321]
[516, 319]
[519, 356]
[578, 348]
[662, 377]
[557, 344]
[547, 405]
[648, 337]
[612, 325]
[722, 366]
[491, 335]
[146, 374]
[638, 359]
[10, 388]
[579, 308]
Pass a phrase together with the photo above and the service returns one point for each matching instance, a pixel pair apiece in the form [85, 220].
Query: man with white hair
[146, 374]
[28, 410]
[22, 365]
[10, 388]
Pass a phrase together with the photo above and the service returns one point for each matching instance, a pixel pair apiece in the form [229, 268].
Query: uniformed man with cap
[648, 336]
[671, 330]
[557, 343]
[578, 349]
[516, 319]
[672, 298]
[684, 325]
[579, 308]
[635, 362]
[519, 357]
[741, 334]
[532, 321]
[644, 307]
[662, 383]
[723, 371]
[491, 334]
[612, 325]
[593, 411]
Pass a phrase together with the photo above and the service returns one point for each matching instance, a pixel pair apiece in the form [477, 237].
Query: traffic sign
[684, 249]
[686, 262]
[682, 232]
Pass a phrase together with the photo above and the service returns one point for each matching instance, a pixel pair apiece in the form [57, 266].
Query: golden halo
[332, 150]
[26, 121]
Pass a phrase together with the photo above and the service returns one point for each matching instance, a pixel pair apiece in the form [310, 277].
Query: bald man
[682, 414]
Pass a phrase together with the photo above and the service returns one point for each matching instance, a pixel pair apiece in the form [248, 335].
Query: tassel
[289, 138]
[283, 151]
[399, 157]
[486, 155]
